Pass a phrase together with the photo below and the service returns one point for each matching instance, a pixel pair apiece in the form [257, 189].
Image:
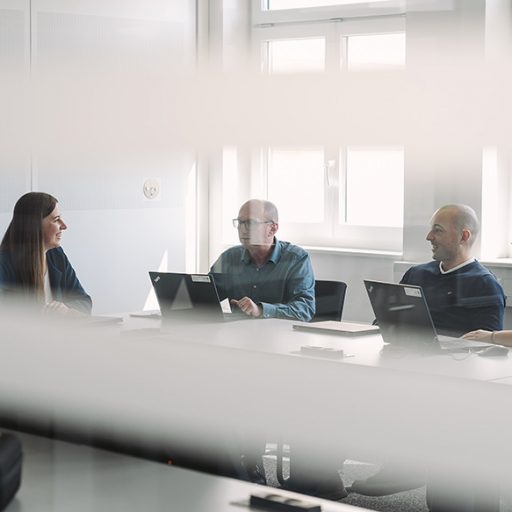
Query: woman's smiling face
[53, 226]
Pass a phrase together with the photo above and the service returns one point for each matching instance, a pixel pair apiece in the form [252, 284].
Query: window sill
[497, 262]
[490, 262]
[391, 255]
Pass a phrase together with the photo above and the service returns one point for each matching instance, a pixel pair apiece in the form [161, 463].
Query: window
[295, 55]
[330, 47]
[375, 51]
[323, 193]
[304, 168]
[374, 176]
[322, 188]
[324, 201]
[496, 228]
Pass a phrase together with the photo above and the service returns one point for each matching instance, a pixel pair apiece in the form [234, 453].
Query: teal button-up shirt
[284, 286]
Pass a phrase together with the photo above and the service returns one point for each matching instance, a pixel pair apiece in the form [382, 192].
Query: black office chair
[329, 300]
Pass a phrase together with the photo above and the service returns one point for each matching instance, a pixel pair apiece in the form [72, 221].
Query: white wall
[14, 104]
[93, 125]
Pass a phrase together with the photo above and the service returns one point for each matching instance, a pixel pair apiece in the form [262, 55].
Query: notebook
[190, 297]
[404, 318]
[336, 327]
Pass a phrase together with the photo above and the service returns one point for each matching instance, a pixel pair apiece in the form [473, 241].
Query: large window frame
[335, 24]
[331, 24]
[331, 233]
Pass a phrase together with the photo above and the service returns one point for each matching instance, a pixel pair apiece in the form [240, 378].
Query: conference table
[194, 385]
[62, 477]
[278, 337]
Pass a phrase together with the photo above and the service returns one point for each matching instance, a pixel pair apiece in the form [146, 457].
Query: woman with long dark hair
[33, 264]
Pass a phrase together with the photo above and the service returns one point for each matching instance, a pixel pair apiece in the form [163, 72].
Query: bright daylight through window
[323, 192]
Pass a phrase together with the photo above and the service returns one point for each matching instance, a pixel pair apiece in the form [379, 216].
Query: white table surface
[278, 337]
[134, 384]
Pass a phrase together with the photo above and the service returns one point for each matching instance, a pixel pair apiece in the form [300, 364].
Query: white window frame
[332, 24]
[334, 32]
[330, 233]
[262, 16]
[496, 228]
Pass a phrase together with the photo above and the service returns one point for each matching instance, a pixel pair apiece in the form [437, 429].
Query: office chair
[329, 300]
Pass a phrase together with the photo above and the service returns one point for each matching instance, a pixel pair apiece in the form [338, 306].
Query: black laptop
[190, 297]
[404, 319]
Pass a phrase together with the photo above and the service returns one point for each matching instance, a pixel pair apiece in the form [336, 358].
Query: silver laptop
[404, 318]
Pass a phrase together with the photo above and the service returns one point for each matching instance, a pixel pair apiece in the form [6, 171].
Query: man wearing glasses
[265, 277]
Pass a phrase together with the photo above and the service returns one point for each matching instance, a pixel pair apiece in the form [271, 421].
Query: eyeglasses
[249, 223]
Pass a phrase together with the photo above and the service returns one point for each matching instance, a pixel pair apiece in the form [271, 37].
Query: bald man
[462, 295]
[265, 277]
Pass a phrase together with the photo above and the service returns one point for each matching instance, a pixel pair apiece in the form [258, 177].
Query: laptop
[404, 319]
[190, 297]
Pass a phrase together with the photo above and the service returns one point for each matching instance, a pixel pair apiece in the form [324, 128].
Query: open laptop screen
[401, 312]
[185, 295]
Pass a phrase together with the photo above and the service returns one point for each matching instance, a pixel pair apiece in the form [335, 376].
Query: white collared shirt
[463, 264]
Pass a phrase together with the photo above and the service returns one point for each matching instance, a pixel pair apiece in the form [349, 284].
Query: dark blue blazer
[64, 284]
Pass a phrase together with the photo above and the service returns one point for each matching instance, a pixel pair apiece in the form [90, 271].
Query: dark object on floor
[388, 481]
[10, 468]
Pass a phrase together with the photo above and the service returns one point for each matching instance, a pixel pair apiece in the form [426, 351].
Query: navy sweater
[464, 300]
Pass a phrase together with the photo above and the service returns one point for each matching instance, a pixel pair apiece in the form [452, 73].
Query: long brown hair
[24, 242]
